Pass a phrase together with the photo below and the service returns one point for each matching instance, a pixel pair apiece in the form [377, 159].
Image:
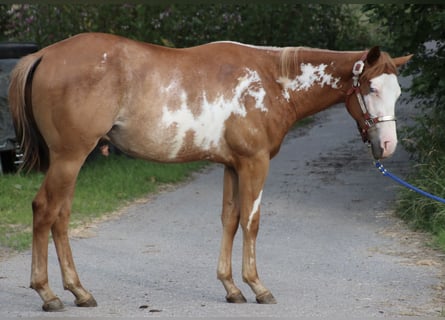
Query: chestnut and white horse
[225, 102]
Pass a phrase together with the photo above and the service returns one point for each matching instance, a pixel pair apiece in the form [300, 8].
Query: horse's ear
[400, 61]
[373, 55]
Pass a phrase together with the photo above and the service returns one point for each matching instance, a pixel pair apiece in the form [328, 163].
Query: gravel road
[328, 244]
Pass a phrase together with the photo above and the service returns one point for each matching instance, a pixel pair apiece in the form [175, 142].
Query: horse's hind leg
[70, 278]
[43, 218]
[230, 221]
[51, 210]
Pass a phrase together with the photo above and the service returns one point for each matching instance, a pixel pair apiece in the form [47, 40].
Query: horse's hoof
[266, 298]
[53, 305]
[87, 303]
[236, 298]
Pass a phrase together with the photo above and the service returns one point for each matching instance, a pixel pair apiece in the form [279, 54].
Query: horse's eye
[373, 90]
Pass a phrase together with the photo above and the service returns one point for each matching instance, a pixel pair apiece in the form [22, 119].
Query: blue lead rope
[385, 172]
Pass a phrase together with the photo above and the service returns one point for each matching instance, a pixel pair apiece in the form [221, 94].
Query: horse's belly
[170, 142]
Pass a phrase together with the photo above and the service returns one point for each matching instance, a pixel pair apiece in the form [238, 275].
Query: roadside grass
[422, 213]
[104, 185]
[16, 194]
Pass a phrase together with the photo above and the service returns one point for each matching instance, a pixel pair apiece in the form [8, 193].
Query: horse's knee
[251, 225]
[230, 224]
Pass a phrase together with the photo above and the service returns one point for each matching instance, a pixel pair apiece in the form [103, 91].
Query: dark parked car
[10, 53]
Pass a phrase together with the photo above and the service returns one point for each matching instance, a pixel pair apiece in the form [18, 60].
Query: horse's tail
[34, 148]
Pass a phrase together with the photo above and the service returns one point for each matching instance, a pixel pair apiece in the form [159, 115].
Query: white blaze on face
[208, 126]
[310, 75]
[385, 90]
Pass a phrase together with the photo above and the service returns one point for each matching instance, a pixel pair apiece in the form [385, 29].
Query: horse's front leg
[252, 176]
[230, 221]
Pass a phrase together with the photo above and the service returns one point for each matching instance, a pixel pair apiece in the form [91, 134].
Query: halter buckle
[371, 122]
[357, 70]
[358, 67]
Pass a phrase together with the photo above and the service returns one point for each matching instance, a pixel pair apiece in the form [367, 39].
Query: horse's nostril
[388, 148]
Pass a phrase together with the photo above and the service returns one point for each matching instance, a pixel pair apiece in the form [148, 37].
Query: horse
[226, 102]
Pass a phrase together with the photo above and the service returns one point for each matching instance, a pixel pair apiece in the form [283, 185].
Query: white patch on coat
[255, 207]
[208, 126]
[104, 58]
[252, 253]
[310, 75]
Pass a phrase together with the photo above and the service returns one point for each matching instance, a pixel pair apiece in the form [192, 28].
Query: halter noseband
[369, 120]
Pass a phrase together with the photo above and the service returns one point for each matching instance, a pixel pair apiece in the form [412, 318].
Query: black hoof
[266, 298]
[53, 305]
[236, 298]
[88, 303]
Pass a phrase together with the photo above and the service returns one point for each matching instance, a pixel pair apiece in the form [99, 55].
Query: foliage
[327, 26]
[420, 29]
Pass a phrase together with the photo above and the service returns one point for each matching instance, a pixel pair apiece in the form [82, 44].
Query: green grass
[104, 185]
[16, 194]
[420, 212]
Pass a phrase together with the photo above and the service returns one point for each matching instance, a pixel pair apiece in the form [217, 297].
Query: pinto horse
[226, 102]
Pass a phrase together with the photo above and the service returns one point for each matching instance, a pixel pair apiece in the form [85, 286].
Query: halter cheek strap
[369, 121]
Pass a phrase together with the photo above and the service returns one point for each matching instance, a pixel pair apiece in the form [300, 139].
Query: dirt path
[328, 244]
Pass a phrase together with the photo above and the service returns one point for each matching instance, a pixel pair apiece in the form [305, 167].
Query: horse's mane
[289, 60]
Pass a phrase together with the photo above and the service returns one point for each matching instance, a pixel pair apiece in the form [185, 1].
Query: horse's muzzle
[383, 149]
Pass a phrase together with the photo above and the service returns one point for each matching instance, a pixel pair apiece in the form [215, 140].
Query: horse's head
[371, 100]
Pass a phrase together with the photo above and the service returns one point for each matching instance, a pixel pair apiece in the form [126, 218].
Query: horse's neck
[314, 80]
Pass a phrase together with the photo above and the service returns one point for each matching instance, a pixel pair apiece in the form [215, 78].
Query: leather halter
[369, 121]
